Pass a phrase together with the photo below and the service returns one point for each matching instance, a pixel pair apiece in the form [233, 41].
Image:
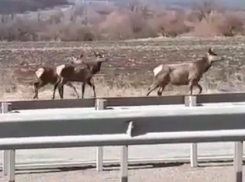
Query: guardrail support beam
[238, 161]
[190, 101]
[11, 166]
[6, 107]
[124, 164]
[101, 104]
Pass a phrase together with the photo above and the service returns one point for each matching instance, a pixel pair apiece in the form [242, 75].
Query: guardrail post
[190, 101]
[11, 166]
[238, 161]
[100, 105]
[124, 164]
[8, 155]
[5, 109]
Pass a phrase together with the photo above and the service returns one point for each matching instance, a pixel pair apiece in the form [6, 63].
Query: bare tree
[204, 9]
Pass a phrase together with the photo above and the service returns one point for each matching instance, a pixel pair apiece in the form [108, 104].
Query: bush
[117, 23]
[20, 6]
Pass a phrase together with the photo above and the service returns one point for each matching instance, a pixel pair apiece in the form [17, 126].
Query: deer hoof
[159, 93]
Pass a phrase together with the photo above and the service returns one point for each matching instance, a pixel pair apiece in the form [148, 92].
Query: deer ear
[211, 49]
[95, 53]
[100, 55]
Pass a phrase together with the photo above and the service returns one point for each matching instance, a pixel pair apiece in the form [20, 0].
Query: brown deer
[80, 73]
[188, 73]
[47, 75]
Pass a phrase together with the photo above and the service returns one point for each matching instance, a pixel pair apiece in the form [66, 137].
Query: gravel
[146, 173]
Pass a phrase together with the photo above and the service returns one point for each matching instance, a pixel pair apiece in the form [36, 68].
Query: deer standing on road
[188, 73]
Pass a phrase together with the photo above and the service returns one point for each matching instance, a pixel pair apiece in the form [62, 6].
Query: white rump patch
[157, 69]
[59, 69]
[39, 72]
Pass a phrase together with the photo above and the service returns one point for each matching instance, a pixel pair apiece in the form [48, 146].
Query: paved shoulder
[137, 173]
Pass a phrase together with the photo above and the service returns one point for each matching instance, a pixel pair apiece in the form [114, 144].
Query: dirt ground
[129, 71]
[146, 173]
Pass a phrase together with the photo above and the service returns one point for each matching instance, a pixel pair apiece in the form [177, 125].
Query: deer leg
[36, 90]
[152, 88]
[60, 85]
[61, 91]
[161, 82]
[37, 86]
[73, 87]
[83, 89]
[190, 86]
[54, 90]
[199, 87]
[92, 85]
[159, 92]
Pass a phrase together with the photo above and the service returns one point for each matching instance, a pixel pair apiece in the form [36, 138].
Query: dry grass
[103, 90]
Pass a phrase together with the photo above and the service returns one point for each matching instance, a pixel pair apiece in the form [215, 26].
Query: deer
[188, 73]
[80, 71]
[47, 75]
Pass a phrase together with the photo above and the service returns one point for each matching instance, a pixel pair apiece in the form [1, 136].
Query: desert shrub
[172, 24]
[232, 25]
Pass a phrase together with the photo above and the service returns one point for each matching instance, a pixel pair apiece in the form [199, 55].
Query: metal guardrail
[126, 101]
[123, 128]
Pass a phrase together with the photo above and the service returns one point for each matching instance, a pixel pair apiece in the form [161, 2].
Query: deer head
[212, 56]
[74, 60]
[97, 54]
[100, 57]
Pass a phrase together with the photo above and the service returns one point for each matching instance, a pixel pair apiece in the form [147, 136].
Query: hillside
[97, 21]
[20, 6]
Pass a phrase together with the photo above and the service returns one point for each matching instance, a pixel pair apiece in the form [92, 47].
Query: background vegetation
[137, 19]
